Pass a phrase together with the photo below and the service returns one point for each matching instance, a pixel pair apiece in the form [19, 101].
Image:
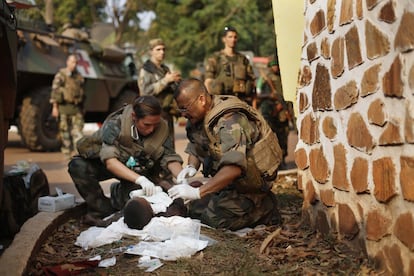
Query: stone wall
[355, 153]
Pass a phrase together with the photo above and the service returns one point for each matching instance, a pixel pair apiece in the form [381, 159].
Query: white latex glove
[188, 171]
[136, 193]
[147, 186]
[184, 191]
[140, 192]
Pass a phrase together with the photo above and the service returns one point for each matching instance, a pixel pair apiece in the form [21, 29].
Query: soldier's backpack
[18, 200]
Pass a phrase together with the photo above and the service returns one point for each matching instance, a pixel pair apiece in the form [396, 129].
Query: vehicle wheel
[39, 130]
[125, 97]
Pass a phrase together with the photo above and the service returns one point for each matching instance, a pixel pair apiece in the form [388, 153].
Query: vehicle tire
[38, 129]
[125, 97]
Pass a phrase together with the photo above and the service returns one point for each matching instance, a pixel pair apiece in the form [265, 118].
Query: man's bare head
[193, 100]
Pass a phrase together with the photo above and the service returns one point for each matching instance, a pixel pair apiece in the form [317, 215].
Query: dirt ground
[292, 249]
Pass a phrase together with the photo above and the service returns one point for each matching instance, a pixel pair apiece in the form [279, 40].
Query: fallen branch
[268, 239]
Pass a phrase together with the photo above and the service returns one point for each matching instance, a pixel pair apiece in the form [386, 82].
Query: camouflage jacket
[269, 102]
[151, 82]
[67, 87]
[276, 84]
[232, 75]
[114, 140]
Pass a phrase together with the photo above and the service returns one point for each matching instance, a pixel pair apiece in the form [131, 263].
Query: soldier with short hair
[134, 146]
[229, 72]
[67, 98]
[156, 79]
[237, 150]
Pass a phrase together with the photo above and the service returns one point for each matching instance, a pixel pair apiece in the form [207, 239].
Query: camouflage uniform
[68, 93]
[150, 82]
[274, 110]
[235, 132]
[151, 154]
[232, 75]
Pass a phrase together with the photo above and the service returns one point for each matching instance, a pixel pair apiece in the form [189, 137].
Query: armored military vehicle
[109, 72]
[8, 48]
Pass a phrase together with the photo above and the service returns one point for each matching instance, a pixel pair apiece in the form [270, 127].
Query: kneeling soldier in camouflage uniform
[132, 145]
[238, 150]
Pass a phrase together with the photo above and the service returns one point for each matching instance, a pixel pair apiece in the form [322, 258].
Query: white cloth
[172, 237]
[159, 201]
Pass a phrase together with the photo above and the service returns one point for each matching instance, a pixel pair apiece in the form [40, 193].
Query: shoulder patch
[110, 132]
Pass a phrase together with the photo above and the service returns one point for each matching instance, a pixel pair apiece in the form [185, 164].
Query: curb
[29, 239]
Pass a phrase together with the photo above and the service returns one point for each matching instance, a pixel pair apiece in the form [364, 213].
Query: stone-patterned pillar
[355, 153]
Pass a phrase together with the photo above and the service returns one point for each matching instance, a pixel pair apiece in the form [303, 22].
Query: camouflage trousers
[70, 129]
[232, 210]
[86, 175]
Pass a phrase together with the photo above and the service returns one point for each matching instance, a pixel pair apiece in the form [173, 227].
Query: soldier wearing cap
[156, 79]
[67, 99]
[228, 72]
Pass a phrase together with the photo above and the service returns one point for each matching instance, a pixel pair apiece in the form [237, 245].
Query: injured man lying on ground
[140, 209]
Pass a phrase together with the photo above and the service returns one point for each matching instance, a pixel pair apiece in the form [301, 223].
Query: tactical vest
[90, 146]
[165, 97]
[232, 76]
[152, 145]
[72, 90]
[265, 154]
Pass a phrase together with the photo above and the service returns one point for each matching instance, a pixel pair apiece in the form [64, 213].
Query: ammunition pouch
[252, 182]
[143, 163]
[240, 71]
[216, 87]
[239, 86]
[240, 83]
[267, 155]
[72, 96]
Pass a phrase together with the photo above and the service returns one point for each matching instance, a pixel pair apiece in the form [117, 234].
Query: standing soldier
[274, 107]
[228, 72]
[156, 79]
[67, 98]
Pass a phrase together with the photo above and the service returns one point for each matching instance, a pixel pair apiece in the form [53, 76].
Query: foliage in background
[80, 13]
[191, 28]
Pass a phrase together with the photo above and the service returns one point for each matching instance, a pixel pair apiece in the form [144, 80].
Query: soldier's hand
[185, 192]
[188, 171]
[55, 111]
[147, 186]
[172, 77]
